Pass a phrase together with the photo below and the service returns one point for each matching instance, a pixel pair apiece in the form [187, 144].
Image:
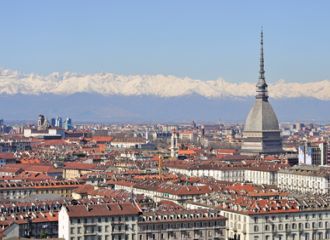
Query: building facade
[305, 179]
[126, 221]
[313, 153]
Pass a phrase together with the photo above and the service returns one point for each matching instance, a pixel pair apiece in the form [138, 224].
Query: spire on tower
[262, 91]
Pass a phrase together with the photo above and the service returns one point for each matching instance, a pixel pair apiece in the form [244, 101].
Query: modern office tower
[315, 153]
[58, 122]
[68, 124]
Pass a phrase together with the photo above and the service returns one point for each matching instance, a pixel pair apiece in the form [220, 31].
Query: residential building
[305, 179]
[100, 221]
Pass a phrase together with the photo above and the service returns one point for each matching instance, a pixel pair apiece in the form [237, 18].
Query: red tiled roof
[102, 138]
[110, 209]
[79, 166]
[7, 155]
[186, 152]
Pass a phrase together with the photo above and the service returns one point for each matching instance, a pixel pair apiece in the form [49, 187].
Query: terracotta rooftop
[110, 209]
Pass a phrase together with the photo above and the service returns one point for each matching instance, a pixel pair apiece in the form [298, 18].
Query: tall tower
[42, 123]
[68, 124]
[58, 122]
[261, 133]
[174, 144]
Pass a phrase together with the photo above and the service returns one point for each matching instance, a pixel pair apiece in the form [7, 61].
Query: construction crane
[160, 165]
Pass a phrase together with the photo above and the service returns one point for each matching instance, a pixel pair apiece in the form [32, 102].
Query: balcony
[118, 231]
[90, 233]
[90, 224]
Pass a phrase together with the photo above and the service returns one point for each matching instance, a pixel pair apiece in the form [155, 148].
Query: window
[256, 228]
[307, 236]
[280, 227]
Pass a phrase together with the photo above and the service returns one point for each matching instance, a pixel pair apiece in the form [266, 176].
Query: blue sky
[198, 39]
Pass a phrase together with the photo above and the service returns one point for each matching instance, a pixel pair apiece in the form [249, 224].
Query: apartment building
[126, 221]
[182, 224]
[305, 179]
[19, 190]
[267, 219]
[115, 221]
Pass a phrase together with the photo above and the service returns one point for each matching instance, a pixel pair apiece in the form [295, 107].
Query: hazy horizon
[139, 60]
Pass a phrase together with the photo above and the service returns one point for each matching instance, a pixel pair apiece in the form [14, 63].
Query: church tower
[261, 133]
[174, 144]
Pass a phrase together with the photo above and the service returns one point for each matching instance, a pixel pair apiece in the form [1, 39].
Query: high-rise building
[52, 122]
[42, 123]
[315, 153]
[261, 131]
[58, 122]
[68, 124]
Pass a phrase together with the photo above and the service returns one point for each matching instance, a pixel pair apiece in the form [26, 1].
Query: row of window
[103, 219]
[182, 225]
[304, 236]
[95, 229]
[292, 226]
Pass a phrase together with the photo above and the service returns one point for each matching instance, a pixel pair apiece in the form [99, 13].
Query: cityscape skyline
[126, 57]
[164, 120]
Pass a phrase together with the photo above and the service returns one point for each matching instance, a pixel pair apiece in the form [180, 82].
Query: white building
[128, 143]
[221, 173]
[265, 173]
[274, 219]
[121, 221]
[315, 153]
[52, 132]
[107, 221]
[305, 179]
[261, 175]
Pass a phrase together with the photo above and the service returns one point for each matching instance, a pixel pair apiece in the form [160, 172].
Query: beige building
[19, 190]
[182, 224]
[305, 179]
[126, 221]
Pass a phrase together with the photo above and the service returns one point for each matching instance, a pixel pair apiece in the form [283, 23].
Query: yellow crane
[160, 165]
